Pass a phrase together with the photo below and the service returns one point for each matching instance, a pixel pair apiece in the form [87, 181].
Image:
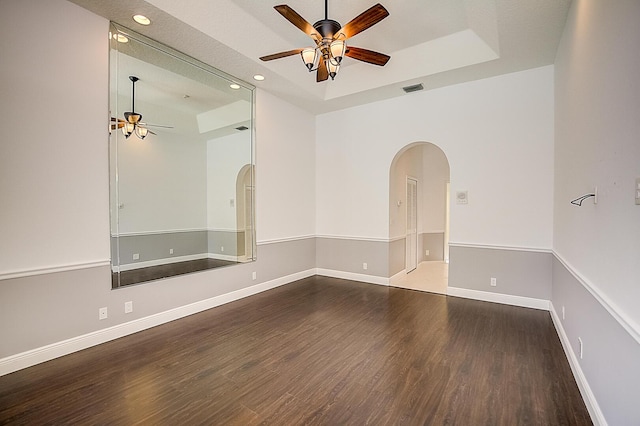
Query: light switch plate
[637, 191]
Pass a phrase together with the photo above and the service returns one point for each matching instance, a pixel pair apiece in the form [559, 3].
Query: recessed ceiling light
[120, 38]
[234, 86]
[258, 77]
[141, 19]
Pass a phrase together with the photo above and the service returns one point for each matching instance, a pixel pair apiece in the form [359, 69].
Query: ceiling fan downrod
[133, 79]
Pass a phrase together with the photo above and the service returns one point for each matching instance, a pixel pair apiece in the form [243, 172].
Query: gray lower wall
[156, 246]
[39, 310]
[232, 241]
[397, 250]
[348, 255]
[434, 242]
[611, 356]
[518, 272]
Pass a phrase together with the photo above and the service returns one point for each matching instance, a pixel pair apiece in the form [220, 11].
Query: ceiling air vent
[414, 88]
[241, 128]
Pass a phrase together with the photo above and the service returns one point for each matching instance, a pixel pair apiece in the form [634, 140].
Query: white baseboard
[585, 390]
[505, 299]
[371, 279]
[45, 353]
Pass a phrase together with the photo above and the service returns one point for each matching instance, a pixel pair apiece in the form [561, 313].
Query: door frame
[411, 229]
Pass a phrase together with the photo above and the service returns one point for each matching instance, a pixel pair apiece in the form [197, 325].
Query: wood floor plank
[318, 351]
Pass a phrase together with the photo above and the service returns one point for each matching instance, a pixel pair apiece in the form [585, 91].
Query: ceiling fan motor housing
[327, 28]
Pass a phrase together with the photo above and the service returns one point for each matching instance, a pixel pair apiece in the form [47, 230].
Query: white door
[412, 225]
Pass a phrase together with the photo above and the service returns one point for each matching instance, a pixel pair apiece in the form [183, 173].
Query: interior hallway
[432, 277]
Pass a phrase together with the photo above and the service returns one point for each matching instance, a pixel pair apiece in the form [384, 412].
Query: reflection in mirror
[181, 163]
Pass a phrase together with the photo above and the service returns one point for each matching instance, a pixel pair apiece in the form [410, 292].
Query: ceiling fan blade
[155, 125]
[366, 55]
[281, 55]
[366, 19]
[297, 20]
[153, 133]
[120, 124]
[323, 72]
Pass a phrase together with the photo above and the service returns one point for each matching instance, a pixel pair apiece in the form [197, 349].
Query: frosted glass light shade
[127, 129]
[333, 68]
[309, 56]
[337, 48]
[141, 132]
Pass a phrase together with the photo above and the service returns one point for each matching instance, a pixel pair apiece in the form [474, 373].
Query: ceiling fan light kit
[331, 41]
[132, 123]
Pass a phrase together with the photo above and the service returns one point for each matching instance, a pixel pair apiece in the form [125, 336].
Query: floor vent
[414, 88]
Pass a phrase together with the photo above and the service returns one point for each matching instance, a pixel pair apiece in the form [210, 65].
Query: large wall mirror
[181, 163]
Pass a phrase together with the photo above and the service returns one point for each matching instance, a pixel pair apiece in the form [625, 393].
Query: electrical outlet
[128, 307]
[562, 312]
[426, 252]
[170, 251]
[136, 256]
[102, 313]
[253, 275]
[221, 248]
[638, 191]
[494, 282]
[365, 266]
[581, 347]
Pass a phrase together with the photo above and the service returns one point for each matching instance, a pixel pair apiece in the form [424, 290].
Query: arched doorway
[418, 218]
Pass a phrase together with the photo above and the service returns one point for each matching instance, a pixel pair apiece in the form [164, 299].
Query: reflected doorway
[245, 196]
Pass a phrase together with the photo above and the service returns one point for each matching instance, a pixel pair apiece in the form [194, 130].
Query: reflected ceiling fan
[330, 39]
[132, 120]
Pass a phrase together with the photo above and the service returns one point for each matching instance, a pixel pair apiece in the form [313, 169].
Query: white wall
[497, 134]
[285, 170]
[225, 157]
[435, 176]
[407, 164]
[162, 179]
[55, 198]
[53, 155]
[598, 144]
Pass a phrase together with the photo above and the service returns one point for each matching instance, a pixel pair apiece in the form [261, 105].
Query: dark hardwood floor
[318, 351]
[150, 273]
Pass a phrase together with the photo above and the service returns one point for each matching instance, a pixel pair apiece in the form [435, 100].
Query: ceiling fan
[330, 39]
[132, 120]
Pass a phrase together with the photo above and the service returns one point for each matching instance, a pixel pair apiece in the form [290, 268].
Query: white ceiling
[433, 42]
